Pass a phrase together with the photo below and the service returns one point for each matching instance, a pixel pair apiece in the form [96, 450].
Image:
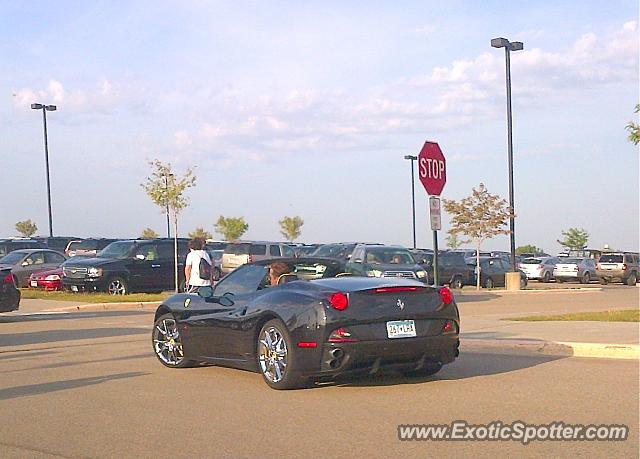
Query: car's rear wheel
[603, 280]
[430, 368]
[586, 278]
[167, 343]
[275, 357]
[216, 274]
[488, 283]
[546, 277]
[456, 282]
[632, 279]
[117, 286]
[523, 282]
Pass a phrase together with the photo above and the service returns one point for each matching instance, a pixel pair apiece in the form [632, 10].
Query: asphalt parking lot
[86, 384]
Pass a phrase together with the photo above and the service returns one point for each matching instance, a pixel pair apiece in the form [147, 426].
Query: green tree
[167, 191]
[528, 249]
[200, 233]
[634, 129]
[231, 228]
[480, 216]
[290, 227]
[148, 233]
[453, 242]
[574, 238]
[27, 228]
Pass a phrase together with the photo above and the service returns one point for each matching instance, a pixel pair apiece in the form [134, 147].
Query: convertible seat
[287, 277]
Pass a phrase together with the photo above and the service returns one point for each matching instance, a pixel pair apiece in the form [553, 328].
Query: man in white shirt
[192, 266]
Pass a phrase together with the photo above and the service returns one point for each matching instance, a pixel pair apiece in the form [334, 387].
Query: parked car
[340, 250]
[216, 259]
[57, 243]
[492, 272]
[539, 268]
[9, 293]
[49, 279]
[212, 244]
[618, 266]
[9, 245]
[452, 268]
[239, 253]
[87, 247]
[27, 261]
[140, 265]
[300, 331]
[305, 250]
[575, 269]
[385, 261]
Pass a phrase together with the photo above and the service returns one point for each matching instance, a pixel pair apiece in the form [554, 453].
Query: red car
[50, 279]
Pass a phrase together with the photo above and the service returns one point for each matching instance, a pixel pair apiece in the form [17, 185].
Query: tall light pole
[166, 190]
[45, 109]
[508, 47]
[413, 196]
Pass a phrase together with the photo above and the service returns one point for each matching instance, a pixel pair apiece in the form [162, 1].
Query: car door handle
[155, 266]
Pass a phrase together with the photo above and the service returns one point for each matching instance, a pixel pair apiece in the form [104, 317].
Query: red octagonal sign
[432, 168]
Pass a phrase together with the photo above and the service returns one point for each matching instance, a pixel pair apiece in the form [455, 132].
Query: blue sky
[307, 108]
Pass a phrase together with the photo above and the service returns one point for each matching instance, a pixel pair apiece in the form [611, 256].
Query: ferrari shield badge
[400, 304]
[187, 301]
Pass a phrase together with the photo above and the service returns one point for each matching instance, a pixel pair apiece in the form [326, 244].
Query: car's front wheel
[456, 282]
[632, 279]
[275, 357]
[117, 286]
[546, 278]
[586, 278]
[488, 283]
[167, 342]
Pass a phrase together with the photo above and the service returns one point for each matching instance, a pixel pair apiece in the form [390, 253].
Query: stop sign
[432, 168]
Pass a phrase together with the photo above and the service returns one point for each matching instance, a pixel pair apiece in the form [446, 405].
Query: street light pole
[45, 108]
[508, 47]
[413, 197]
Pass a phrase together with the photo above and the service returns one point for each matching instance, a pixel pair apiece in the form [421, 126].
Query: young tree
[574, 238]
[27, 228]
[148, 233]
[528, 249]
[480, 216]
[166, 190]
[200, 233]
[231, 228]
[453, 242]
[290, 227]
[634, 129]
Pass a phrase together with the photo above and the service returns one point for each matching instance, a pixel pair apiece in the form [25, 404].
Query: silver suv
[622, 266]
[238, 253]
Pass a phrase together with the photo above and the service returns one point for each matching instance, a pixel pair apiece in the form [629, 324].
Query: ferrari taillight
[339, 301]
[341, 335]
[8, 279]
[445, 295]
[250, 259]
[449, 327]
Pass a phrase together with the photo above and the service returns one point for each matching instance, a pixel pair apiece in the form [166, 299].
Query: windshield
[388, 255]
[87, 244]
[238, 249]
[574, 261]
[611, 259]
[328, 250]
[531, 261]
[118, 250]
[12, 257]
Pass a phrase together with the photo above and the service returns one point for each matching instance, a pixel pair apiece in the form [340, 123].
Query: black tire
[586, 278]
[167, 343]
[523, 282]
[428, 370]
[546, 278]
[117, 286]
[631, 280]
[216, 274]
[271, 355]
[603, 280]
[560, 281]
[488, 283]
[456, 282]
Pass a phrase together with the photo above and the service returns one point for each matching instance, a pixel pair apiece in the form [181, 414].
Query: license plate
[74, 288]
[401, 329]
[34, 283]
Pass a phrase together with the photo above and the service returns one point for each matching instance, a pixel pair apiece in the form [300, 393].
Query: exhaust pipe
[337, 353]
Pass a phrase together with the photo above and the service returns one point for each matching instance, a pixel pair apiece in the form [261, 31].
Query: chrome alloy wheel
[272, 354]
[167, 343]
[117, 287]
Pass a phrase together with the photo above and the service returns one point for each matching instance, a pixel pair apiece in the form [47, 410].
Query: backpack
[205, 269]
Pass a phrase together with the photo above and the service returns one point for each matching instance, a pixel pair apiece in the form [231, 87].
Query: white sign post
[434, 213]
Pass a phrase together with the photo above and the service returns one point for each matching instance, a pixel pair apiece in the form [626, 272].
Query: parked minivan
[238, 253]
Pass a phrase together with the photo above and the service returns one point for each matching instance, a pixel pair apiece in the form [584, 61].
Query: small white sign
[434, 213]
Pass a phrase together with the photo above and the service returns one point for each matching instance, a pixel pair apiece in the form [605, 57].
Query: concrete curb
[567, 349]
[144, 305]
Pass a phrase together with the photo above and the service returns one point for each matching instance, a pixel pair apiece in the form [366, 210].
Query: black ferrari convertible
[316, 323]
